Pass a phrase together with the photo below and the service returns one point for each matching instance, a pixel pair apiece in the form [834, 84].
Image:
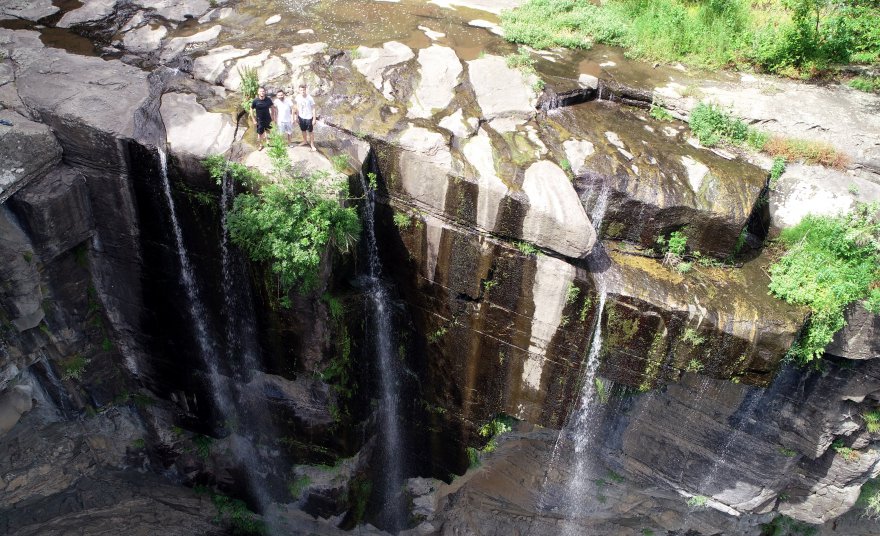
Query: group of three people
[282, 112]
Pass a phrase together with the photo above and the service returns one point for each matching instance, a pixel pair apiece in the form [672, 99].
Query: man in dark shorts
[261, 107]
[306, 116]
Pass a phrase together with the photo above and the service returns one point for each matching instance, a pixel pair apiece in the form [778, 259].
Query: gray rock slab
[147, 38]
[440, 69]
[233, 79]
[844, 117]
[32, 10]
[860, 338]
[505, 95]
[55, 211]
[555, 220]
[191, 129]
[27, 150]
[178, 44]
[816, 190]
[174, 10]
[91, 11]
[300, 58]
[22, 297]
[372, 63]
[212, 65]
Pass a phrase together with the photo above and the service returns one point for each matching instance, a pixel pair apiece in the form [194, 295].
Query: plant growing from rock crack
[869, 498]
[73, 367]
[250, 85]
[692, 337]
[697, 501]
[402, 220]
[526, 249]
[847, 453]
[673, 249]
[660, 113]
[694, 366]
[872, 421]
[776, 170]
[831, 262]
[236, 514]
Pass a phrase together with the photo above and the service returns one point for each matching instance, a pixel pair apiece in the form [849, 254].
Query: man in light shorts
[282, 112]
[306, 114]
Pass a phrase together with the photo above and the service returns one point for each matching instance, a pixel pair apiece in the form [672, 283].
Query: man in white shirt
[282, 112]
[306, 114]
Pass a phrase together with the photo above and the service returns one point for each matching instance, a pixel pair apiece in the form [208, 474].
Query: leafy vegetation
[235, 514]
[847, 453]
[526, 248]
[868, 84]
[830, 263]
[712, 125]
[790, 37]
[523, 61]
[402, 220]
[697, 501]
[869, 498]
[786, 526]
[872, 421]
[660, 113]
[290, 221]
[776, 170]
[73, 367]
[250, 85]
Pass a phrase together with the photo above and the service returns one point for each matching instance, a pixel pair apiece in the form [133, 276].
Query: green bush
[830, 262]
[868, 84]
[290, 222]
[250, 85]
[869, 498]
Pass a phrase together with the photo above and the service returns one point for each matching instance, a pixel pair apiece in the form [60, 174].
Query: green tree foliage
[785, 36]
[288, 221]
[830, 263]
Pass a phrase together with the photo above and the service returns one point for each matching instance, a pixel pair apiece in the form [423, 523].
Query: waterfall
[193, 300]
[391, 442]
[704, 488]
[574, 442]
[226, 409]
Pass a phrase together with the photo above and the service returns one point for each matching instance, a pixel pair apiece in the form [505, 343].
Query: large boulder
[860, 338]
[641, 180]
[27, 150]
[55, 211]
[190, 129]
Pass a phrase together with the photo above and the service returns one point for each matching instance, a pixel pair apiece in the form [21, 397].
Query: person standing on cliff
[283, 115]
[306, 114]
[261, 107]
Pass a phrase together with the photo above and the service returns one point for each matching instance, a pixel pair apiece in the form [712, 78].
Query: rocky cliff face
[512, 235]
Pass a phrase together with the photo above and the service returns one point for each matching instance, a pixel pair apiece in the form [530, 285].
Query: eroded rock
[27, 150]
[192, 129]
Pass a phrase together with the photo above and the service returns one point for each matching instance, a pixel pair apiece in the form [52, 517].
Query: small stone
[306, 31]
[274, 19]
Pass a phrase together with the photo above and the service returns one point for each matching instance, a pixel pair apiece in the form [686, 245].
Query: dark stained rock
[27, 150]
[55, 211]
[647, 181]
[860, 338]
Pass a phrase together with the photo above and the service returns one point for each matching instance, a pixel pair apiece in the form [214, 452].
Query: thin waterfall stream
[225, 407]
[391, 445]
[574, 442]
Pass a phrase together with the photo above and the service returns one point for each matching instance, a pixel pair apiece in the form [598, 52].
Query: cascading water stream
[194, 302]
[391, 440]
[224, 404]
[576, 437]
[704, 488]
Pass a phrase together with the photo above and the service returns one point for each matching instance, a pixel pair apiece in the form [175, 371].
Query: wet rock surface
[490, 212]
